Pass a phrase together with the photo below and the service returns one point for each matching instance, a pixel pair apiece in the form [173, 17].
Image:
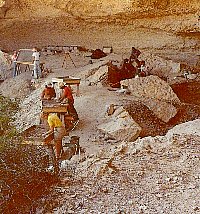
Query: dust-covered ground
[158, 177]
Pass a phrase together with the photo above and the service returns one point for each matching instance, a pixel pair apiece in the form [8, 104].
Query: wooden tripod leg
[78, 91]
[64, 61]
[72, 60]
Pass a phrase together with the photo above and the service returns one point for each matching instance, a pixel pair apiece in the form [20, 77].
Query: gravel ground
[157, 181]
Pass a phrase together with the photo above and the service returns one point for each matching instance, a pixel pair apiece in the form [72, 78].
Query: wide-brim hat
[49, 84]
[61, 84]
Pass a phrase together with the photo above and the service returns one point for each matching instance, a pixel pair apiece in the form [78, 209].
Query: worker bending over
[67, 97]
[49, 92]
[57, 128]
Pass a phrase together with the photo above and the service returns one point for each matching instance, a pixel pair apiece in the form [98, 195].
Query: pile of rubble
[148, 175]
[4, 64]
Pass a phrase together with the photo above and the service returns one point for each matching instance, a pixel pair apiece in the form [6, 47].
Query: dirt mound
[18, 87]
[145, 176]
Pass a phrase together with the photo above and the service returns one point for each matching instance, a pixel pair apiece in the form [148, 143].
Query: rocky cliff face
[96, 8]
[146, 24]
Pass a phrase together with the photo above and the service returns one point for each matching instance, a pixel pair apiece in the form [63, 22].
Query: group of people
[130, 68]
[56, 126]
[35, 60]
[133, 67]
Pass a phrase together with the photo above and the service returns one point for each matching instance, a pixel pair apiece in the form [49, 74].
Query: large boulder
[162, 110]
[162, 67]
[188, 128]
[121, 126]
[151, 87]
[98, 75]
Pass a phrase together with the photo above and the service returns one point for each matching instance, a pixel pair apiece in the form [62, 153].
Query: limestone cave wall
[162, 20]
[96, 8]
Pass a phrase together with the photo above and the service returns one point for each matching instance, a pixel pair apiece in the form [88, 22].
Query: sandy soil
[130, 186]
[136, 184]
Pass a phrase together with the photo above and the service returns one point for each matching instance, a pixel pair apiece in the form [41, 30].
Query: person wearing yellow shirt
[56, 126]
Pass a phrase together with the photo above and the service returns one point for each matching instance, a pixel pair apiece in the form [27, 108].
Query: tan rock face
[103, 7]
[150, 87]
[121, 126]
[163, 110]
[149, 24]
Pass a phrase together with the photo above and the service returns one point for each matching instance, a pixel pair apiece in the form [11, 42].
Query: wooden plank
[67, 80]
[28, 63]
[26, 131]
[55, 109]
[24, 63]
[32, 142]
[49, 138]
[34, 135]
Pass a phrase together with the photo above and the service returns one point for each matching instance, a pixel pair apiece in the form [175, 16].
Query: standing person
[57, 128]
[14, 62]
[134, 55]
[141, 69]
[36, 63]
[67, 97]
[49, 92]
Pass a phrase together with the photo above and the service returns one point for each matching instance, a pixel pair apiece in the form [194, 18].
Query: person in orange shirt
[67, 97]
[49, 92]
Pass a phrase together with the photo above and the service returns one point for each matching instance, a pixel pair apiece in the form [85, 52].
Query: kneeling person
[49, 92]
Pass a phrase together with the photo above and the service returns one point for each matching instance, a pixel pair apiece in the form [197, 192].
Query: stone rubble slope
[190, 128]
[18, 87]
[138, 176]
[149, 175]
[4, 64]
[30, 109]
